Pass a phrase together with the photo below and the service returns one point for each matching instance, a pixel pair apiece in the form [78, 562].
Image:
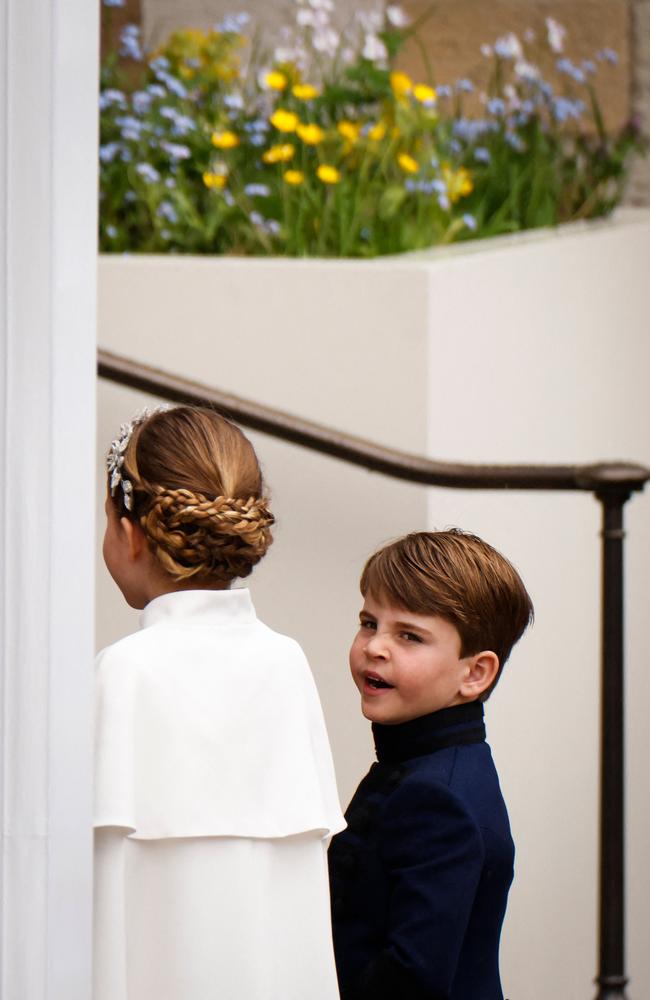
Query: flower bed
[322, 147]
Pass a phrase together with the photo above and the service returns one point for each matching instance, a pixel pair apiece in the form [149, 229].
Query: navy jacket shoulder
[420, 877]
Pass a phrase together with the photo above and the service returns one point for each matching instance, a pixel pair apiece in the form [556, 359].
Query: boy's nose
[376, 647]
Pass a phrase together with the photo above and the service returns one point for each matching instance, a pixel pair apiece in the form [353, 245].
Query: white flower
[509, 47]
[526, 70]
[397, 16]
[487, 51]
[322, 5]
[370, 20]
[326, 41]
[555, 33]
[374, 49]
[306, 18]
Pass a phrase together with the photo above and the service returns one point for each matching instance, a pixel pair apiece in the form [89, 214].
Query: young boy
[420, 877]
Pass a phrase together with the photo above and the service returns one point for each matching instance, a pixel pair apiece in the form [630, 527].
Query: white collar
[200, 607]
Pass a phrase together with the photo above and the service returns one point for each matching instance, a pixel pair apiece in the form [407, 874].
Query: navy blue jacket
[420, 877]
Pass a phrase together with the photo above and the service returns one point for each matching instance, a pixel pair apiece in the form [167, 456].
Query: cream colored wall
[530, 349]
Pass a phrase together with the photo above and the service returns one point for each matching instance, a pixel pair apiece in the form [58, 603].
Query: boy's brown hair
[459, 577]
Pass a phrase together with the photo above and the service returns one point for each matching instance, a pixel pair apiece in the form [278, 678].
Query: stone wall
[639, 191]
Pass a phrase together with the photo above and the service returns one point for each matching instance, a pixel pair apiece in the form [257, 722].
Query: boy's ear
[134, 536]
[482, 669]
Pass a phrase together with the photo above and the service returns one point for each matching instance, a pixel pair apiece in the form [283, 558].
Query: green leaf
[390, 202]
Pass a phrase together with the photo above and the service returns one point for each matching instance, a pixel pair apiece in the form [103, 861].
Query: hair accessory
[115, 456]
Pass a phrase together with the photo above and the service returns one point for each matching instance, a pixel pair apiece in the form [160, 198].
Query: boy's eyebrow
[366, 614]
[412, 627]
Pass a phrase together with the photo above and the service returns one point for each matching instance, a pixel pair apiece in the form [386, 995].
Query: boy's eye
[411, 637]
[367, 624]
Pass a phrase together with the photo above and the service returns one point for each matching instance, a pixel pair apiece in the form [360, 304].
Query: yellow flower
[214, 180]
[349, 130]
[275, 80]
[328, 174]
[424, 94]
[187, 72]
[459, 182]
[294, 177]
[284, 121]
[225, 140]
[377, 132]
[310, 134]
[401, 84]
[408, 164]
[279, 154]
[305, 91]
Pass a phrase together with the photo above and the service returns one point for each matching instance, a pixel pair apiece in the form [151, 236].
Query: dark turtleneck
[455, 726]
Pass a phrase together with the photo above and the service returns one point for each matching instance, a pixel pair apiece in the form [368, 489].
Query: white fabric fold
[209, 724]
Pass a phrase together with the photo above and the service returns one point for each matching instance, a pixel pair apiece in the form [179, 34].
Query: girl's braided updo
[197, 495]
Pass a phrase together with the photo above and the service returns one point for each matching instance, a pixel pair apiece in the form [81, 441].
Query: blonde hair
[197, 495]
[459, 577]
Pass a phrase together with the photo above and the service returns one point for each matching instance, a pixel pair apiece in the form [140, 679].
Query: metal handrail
[367, 454]
[612, 483]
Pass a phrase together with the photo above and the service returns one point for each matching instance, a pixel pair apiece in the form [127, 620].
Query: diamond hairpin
[115, 456]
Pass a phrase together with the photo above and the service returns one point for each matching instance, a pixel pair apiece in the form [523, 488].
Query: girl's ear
[135, 539]
[482, 669]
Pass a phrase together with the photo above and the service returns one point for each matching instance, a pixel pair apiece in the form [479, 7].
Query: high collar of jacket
[200, 607]
[455, 726]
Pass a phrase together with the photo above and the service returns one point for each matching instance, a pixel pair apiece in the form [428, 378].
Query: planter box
[526, 349]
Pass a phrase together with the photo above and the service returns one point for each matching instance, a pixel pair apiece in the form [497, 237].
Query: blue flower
[608, 55]
[108, 152]
[148, 173]
[455, 146]
[566, 66]
[234, 101]
[113, 3]
[233, 24]
[589, 67]
[111, 97]
[156, 90]
[130, 42]
[444, 202]
[167, 211]
[470, 222]
[170, 183]
[141, 101]
[411, 185]
[444, 90]
[175, 151]
[496, 106]
[131, 127]
[130, 196]
[464, 86]
[172, 84]
[182, 125]
[111, 232]
[257, 140]
[482, 154]
[564, 109]
[257, 125]
[160, 64]
[516, 142]
[257, 190]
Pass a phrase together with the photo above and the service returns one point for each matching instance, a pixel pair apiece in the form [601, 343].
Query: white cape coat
[215, 799]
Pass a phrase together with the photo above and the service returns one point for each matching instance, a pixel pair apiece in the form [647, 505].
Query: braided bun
[194, 536]
[196, 491]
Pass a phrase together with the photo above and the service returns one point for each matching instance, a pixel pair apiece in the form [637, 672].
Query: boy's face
[404, 664]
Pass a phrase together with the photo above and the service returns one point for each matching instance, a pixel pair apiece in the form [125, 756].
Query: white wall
[532, 349]
[48, 196]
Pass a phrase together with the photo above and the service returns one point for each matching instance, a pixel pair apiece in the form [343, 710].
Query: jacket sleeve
[433, 857]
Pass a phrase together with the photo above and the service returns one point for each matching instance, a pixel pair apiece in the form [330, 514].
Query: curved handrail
[601, 477]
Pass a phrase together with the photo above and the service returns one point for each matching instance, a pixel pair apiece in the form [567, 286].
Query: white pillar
[48, 141]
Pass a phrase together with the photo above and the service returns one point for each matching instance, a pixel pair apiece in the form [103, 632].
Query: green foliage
[323, 149]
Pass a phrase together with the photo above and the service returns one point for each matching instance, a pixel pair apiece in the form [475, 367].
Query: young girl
[215, 791]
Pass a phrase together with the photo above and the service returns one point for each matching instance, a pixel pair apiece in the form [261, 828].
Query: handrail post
[611, 979]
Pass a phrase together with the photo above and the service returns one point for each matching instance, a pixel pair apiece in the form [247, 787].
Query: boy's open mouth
[376, 682]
